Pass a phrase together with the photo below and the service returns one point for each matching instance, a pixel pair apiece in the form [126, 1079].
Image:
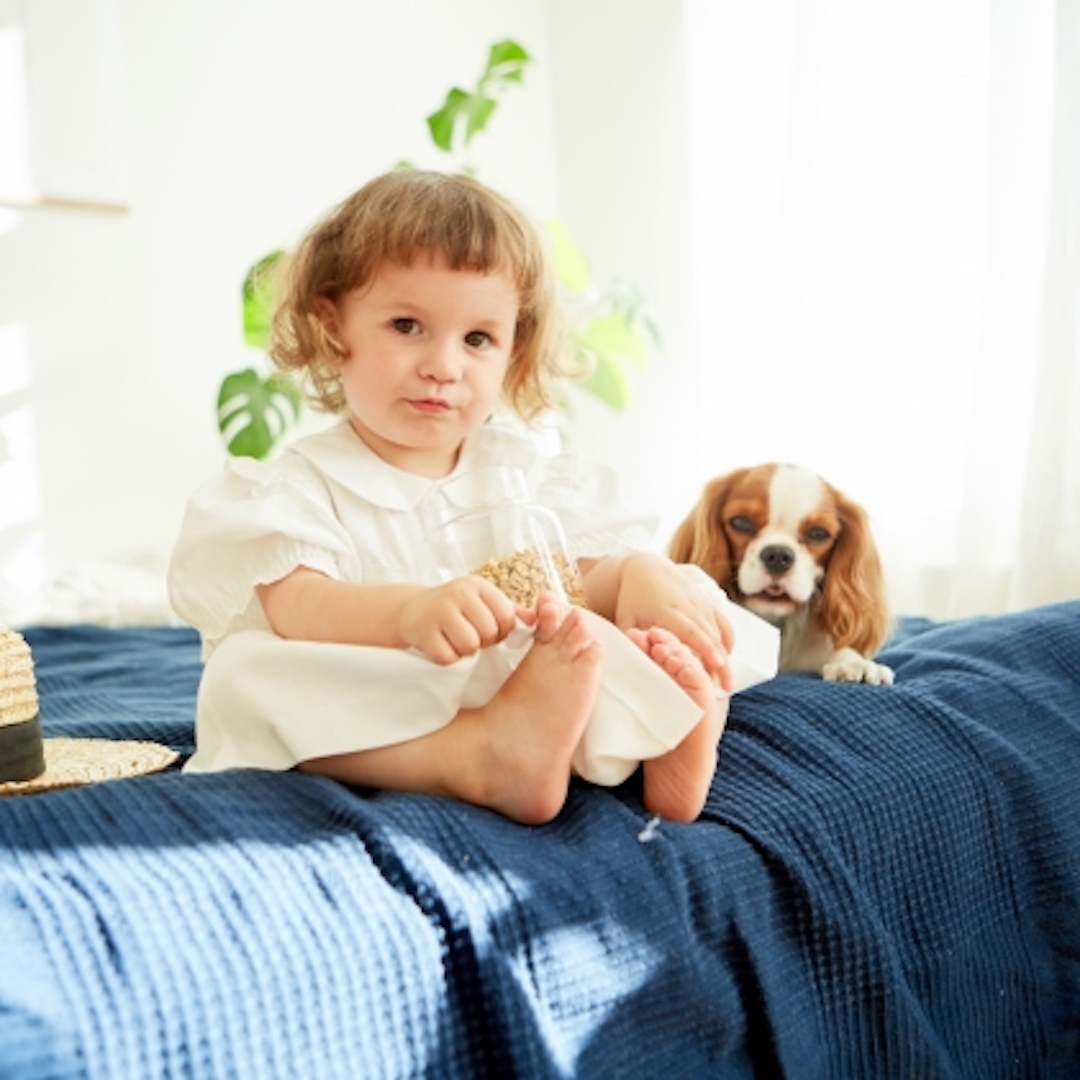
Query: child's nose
[442, 361]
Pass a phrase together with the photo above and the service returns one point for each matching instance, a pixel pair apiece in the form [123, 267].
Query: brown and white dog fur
[783, 542]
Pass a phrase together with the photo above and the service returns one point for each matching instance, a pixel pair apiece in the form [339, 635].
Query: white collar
[342, 456]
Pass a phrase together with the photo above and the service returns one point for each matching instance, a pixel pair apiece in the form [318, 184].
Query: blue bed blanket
[885, 883]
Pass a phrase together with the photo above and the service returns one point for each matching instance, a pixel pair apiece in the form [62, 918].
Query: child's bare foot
[512, 754]
[529, 730]
[677, 784]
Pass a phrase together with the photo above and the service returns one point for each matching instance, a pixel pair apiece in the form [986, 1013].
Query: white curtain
[887, 274]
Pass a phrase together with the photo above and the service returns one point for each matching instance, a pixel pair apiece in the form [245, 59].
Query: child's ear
[325, 310]
[325, 325]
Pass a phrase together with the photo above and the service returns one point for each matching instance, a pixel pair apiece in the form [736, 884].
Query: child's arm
[643, 590]
[445, 622]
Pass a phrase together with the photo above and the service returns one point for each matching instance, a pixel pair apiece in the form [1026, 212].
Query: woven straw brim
[18, 692]
[72, 762]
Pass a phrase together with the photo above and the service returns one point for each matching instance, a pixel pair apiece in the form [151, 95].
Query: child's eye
[405, 326]
[476, 339]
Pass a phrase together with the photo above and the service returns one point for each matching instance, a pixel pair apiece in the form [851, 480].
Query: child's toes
[574, 636]
[548, 618]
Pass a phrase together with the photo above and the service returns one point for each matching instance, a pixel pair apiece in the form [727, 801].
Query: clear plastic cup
[482, 522]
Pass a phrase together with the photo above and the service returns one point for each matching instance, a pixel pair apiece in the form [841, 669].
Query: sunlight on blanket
[570, 1012]
[544, 961]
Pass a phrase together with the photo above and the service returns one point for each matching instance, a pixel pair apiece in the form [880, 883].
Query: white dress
[329, 503]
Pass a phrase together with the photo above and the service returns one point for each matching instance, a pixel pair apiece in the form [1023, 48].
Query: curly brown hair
[401, 217]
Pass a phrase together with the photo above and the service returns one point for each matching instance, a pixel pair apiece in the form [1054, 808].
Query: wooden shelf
[57, 202]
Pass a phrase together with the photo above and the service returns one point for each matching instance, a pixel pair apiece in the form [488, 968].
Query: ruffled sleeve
[252, 525]
[587, 499]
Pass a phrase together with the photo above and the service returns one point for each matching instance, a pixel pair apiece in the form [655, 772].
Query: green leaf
[441, 123]
[608, 382]
[506, 62]
[505, 65]
[478, 112]
[474, 109]
[260, 298]
[613, 336]
[254, 413]
[626, 296]
[609, 345]
[571, 265]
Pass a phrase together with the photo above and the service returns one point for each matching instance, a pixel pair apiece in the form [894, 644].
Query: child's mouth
[429, 405]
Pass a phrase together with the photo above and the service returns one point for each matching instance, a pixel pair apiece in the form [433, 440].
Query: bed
[885, 883]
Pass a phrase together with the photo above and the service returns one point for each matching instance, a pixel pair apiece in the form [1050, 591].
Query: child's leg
[677, 784]
[511, 755]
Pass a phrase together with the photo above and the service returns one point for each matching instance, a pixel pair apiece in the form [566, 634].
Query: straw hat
[29, 762]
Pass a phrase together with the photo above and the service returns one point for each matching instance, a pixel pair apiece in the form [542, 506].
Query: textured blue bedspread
[885, 883]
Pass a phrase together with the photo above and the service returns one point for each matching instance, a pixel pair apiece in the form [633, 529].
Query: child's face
[426, 350]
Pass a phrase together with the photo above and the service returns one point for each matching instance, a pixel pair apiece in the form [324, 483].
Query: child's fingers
[715, 662]
[492, 605]
[719, 629]
[714, 658]
[727, 631]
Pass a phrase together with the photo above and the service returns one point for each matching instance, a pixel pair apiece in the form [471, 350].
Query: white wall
[622, 130]
[244, 122]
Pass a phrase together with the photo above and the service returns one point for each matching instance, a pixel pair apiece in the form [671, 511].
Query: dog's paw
[846, 665]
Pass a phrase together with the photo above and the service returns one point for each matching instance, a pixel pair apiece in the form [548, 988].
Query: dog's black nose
[777, 559]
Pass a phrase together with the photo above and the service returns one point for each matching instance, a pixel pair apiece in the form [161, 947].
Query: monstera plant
[612, 331]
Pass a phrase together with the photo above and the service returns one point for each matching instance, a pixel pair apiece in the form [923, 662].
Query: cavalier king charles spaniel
[783, 542]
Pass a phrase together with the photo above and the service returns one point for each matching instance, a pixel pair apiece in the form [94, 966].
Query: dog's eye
[817, 535]
[741, 524]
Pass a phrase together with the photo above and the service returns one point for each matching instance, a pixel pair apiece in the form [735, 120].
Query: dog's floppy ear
[700, 539]
[855, 610]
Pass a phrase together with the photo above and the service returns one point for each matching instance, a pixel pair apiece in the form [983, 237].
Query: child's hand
[653, 592]
[457, 619]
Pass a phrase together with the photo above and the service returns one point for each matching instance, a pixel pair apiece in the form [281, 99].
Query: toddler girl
[414, 309]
